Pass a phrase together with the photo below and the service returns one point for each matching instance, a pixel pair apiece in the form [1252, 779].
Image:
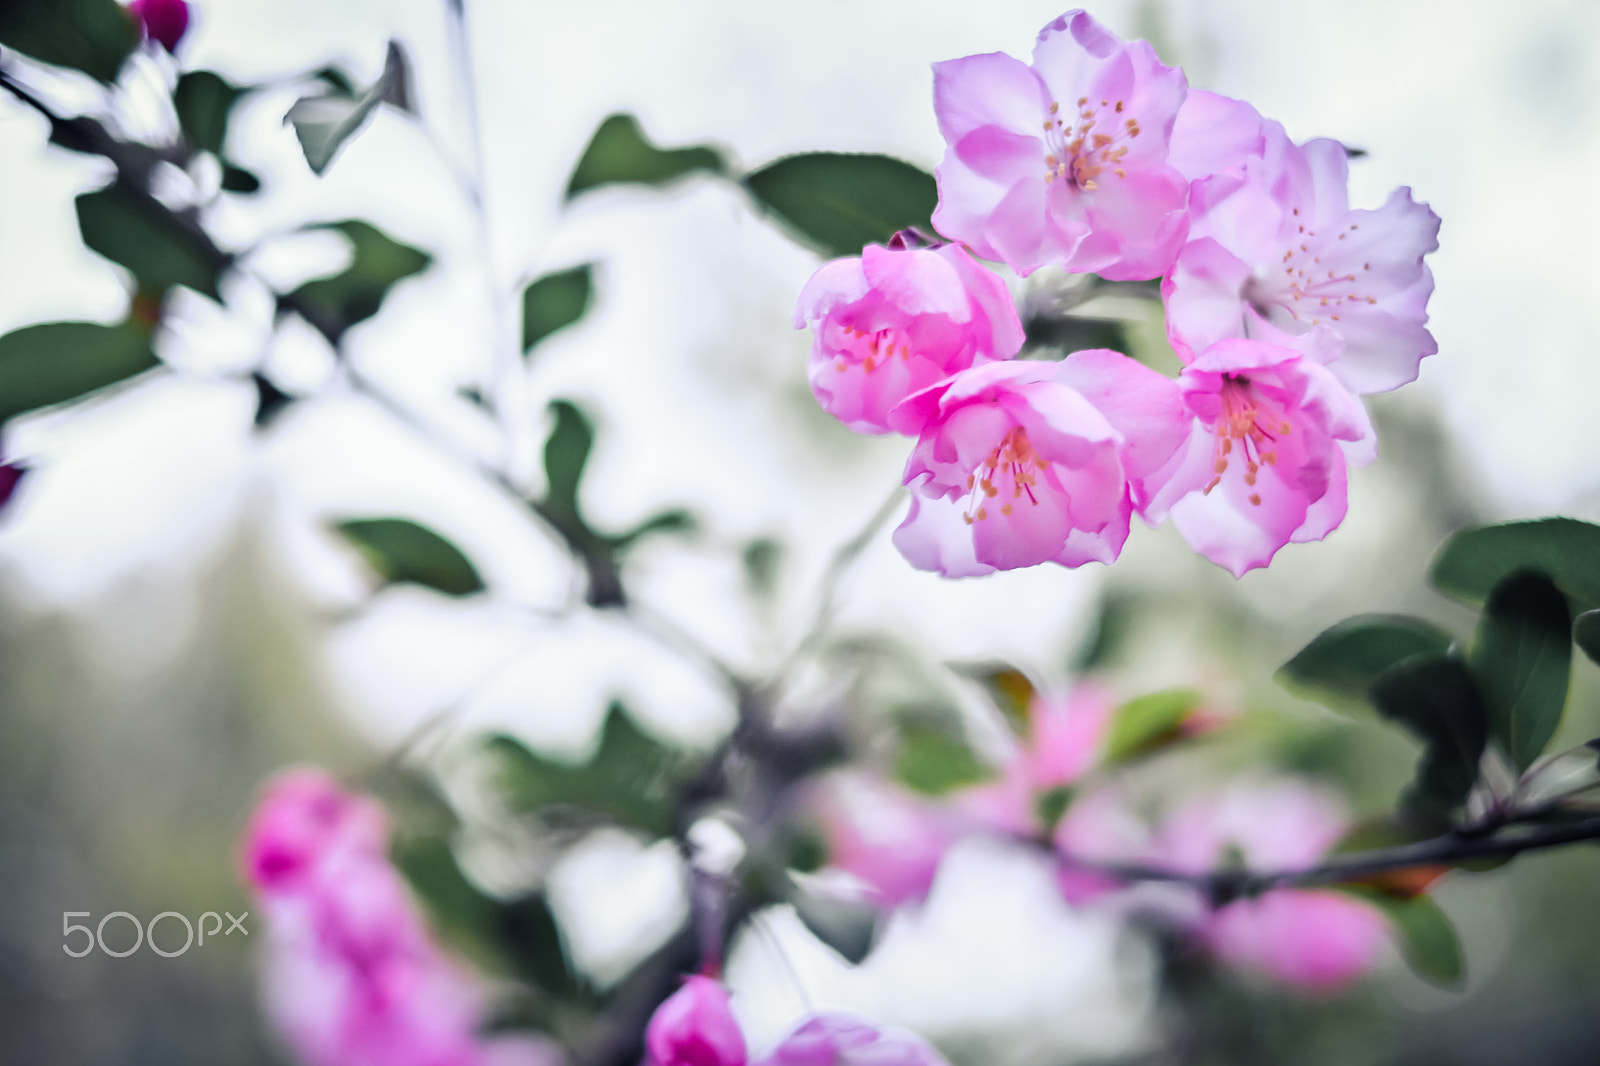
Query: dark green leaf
[465, 915]
[632, 778]
[1049, 806]
[933, 762]
[566, 451]
[325, 122]
[335, 303]
[239, 180]
[1112, 625]
[270, 400]
[1434, 696]
[837, 203]
[160, 249]
[1425, 936]
[203, 100]
[1474, 561]
[1523, 661]
[1074, 333]
[674, 521]
[61, 361]
[1149, 723]
[846, 927]
[1586, 631]
[93, 36]
[403, 551]
[1343, 660]
[554, 302]
[620, 152]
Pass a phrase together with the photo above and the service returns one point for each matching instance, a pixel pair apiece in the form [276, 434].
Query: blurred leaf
[619, 152]
[847, 927]
[1008, 688]
[1075, 333]
[566, 452]
[1050, 805]
[1343, 660]
[1586, 631]
[60, 361]
[159, 249]
[1149, 723]
[760, 558]
[1113, 622]
[403, 551]
[933, 762]
[632, 778]
[1425, 936]
[325, 122]
[676, 520]
[555, 301]
[1474, 561]
[93, 36]
[466, 916]
[335, 303]
[531, 937]
[239, 180]
[838, 202]
[270, 400]
[1434, 696]
[1523, 661]
[203, 100]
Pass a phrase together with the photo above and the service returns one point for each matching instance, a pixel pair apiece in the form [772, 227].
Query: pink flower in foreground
[882, 835]
[1021, 463]
[11, 475]
[830, 1039]
[893, 322]
[1066, 161]
[352, 977]
[1264, 464]
[163, 21]
[695, 1027]
[1276, 250]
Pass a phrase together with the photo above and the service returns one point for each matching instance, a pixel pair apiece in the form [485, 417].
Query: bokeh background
[176, 621]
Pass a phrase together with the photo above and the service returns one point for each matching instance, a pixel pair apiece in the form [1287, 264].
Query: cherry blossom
[883, 836]
[695, 1027]
[832, 1039]
[1065, 161]
[892, 322]
[1021, 463]
[163, 21]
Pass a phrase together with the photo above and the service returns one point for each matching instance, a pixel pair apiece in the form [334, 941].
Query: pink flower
[830, 1039]
[163, 21]
[695, 1027]
[11, 475]
[893, 322]
[1021, 463]
[1066, 161]
[1264, 464]
[1274, 249]
[883, 836]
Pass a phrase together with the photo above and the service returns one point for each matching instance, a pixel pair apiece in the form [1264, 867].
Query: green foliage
[566, 452]
[1008, 688]
[324, 122]
[203, 100]
[403, 551]
[335, 303]
[1341, 663]
[93, 36]
[1149, 723]
[60, 361]
[1434, 696]
[838, 202]
[632, 778]
[239, 180]
[1425, 936]
[760, 560]
[619, 153]
[1474, 561]
[847, 927]
[933, 762]
[1586, 631]
[1523, 661]
[555, 301]
[160, 249]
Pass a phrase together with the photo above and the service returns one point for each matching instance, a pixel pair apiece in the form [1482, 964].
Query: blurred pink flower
[830, 1039]
[882, 835]
[1064, 162]
[1021, 463]
[163, 21]
[1265, 461]
[695, 1027]
[892, 322]
[11, 475]
[351, 976]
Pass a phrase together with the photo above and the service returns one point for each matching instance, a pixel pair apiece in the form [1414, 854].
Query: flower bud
[163, 21]
[695, 1027]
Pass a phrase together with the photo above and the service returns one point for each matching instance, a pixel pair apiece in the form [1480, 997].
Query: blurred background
[177, 621]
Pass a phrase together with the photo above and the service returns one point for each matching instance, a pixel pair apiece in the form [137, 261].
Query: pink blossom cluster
[1284, 304]
[352, 977]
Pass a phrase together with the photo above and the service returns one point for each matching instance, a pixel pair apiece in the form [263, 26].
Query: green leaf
[160, 250]
[566, 452]
[1008, 688]
[1343, 660]
[1149, 723]
[60, 361]
[1471, 563]
[324, 122]
[632, 778]
[837, 203]
[619, 152]
[335, 303]
[93, 36]
[933, 762]
[554, 302]
[760, 559]
[203, 100]
[1586, 631]
[676, 520]
[1425, 936]
[1434, 696]
[239, 180]
[400, 550]
[846, 927]
[1523, 663]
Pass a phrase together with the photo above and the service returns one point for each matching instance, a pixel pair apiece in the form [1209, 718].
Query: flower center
[1009, 473]
[1081, 151]
[871, 350]
[1248, 421]
[1311, 292]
